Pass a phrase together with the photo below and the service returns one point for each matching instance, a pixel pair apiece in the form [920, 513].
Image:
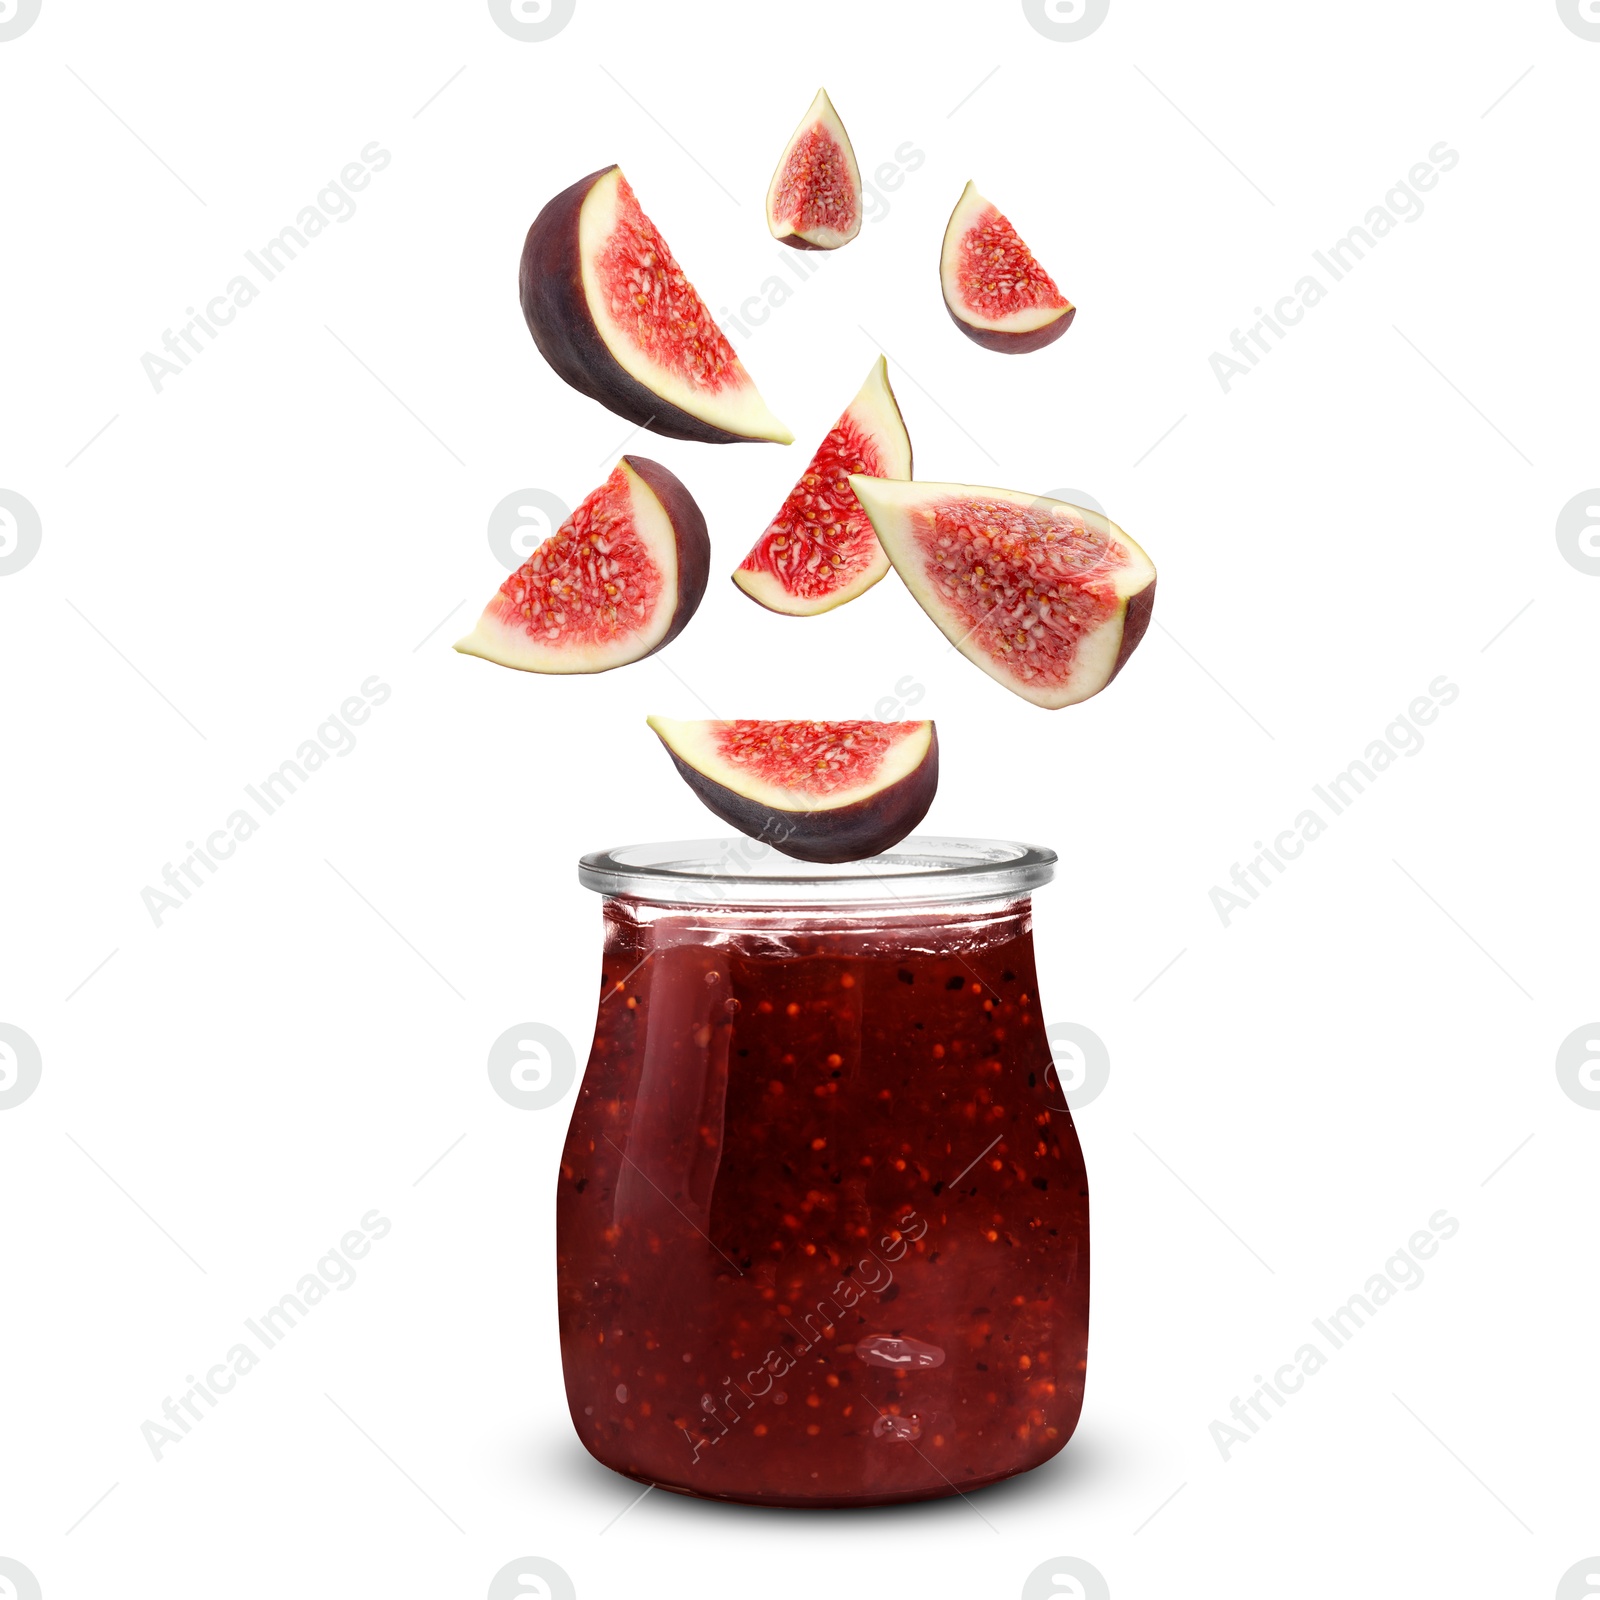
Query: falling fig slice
[817, 791]
[1049, 599]
[615, 582]
[612, 311]
[814, 201]
[820, 550]
[994, 290]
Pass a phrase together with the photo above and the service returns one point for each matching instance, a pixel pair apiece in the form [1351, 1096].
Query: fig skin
[1135, 624]
[693, 542]
[1014, 344]
[550, 286]
[845, 833]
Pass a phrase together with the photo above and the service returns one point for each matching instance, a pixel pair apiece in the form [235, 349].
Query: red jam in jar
[822, 1220]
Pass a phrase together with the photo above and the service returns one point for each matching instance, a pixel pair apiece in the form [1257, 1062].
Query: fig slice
[994, 290]
[814, 200]
[817, 791]
[615, 582]
[820, 550]
[1049, 599]
[612, 311]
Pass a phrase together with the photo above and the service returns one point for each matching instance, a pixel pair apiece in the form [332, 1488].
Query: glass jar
[822, 1219]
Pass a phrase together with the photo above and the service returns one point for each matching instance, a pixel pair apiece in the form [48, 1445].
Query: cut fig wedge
[817, 791]
[612, 311]
[615, 582]
[1049, 599]
[994, 290]
[814, 201]
[820, 550]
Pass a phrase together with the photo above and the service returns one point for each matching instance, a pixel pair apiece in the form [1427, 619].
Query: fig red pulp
[652, 295]
[999, 274]
[814, 189]
[592, 581]
[812, 760]
[1026, 588]
[822, 1221]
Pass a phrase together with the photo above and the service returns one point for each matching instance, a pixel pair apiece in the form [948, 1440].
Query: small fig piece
[817, 791]
[1049, 599]
[615, 582]
[814, 201]
[612, 311]
[820, 550]
[994, 290]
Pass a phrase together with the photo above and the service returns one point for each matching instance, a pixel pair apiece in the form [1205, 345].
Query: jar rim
[922, 870]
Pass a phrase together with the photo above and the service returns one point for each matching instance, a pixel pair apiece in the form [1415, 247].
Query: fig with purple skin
[817, 791]
[995, 291]
[616, 316]
[615, 582]
[1049, 599]
[814, 201]
[820, 550]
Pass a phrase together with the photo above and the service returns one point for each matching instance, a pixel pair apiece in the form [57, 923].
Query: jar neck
[884, 928]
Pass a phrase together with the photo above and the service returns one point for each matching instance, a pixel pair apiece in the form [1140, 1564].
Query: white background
[1290, 1099]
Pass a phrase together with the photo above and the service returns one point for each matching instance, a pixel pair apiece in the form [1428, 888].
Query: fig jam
[822, 1221]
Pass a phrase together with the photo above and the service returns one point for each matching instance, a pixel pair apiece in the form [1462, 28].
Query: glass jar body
[822, 1217]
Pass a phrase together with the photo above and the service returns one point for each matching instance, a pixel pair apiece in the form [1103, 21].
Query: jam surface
[822, 1223]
